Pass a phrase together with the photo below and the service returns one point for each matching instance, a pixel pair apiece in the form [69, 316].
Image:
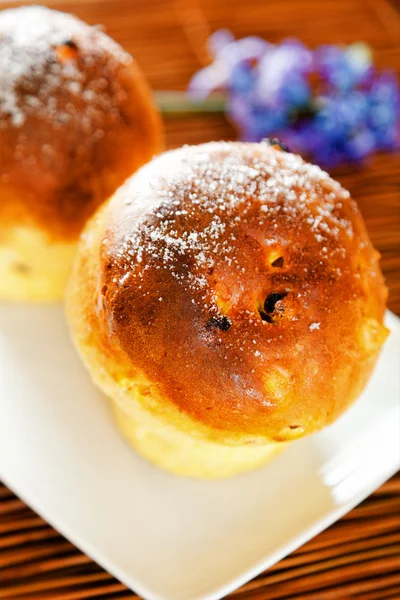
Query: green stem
[179, 103]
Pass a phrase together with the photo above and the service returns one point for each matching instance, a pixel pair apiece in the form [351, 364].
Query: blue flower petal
[343, 112]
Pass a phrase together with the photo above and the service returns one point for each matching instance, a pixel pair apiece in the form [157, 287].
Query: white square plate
[164, 537]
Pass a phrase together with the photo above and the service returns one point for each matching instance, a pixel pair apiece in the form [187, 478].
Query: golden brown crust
[76, 119]
[241, 281]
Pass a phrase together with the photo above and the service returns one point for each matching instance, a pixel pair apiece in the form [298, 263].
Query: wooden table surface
[358, 557]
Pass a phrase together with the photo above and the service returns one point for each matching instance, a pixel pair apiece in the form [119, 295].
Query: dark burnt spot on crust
[67, 50]
[273, 307]
[272, 300]
[71, 44]
[222, 323]
[278, 262]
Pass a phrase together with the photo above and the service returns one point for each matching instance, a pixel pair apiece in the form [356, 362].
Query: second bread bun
[228, 300]
[76, 119]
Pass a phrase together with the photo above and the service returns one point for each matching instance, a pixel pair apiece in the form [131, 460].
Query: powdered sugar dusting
[33, 77]
[211, 196]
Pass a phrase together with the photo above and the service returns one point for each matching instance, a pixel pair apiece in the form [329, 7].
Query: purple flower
[229, 55]
[328, 104]
[282, 75]
[344, 69]
[384, 110]
[218, 40]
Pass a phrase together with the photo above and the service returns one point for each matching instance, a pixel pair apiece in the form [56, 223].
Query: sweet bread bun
[76, 119]
[228, 300]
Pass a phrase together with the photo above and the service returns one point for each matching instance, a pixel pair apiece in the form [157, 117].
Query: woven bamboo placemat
[358, 557]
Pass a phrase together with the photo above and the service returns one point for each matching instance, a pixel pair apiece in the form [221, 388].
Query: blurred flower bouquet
[329, 104]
